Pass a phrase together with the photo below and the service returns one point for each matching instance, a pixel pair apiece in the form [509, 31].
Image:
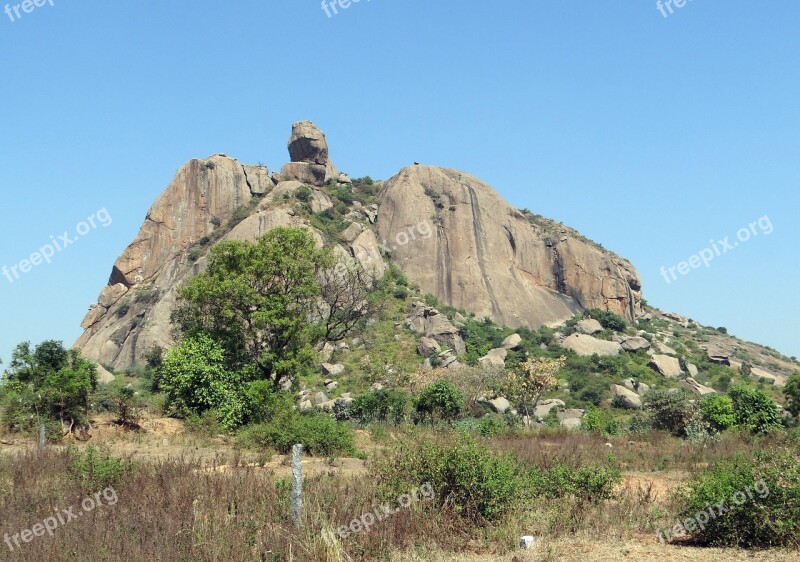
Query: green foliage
[608, 320]
[47, 382]
[439, 400]
[386, 405]
[599, 421]
[761, 497]
[792, 393]
[754, 410]
[96, 468]
[588, 483]
[487, 426]
[475, 482]
[128, 406]
[717, 410]
[267, 304]
[303, 193]
[318, 433]
[194, 379]
[265, 402]
[668, 410]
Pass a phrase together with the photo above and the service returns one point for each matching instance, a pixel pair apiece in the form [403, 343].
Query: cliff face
[450, 232]
[491, 259]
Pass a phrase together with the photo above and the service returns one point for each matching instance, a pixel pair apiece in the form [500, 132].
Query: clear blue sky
[651, 135]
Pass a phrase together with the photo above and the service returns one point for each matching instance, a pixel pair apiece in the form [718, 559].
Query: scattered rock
[511, 342]
[692, 370]
[344, 178]
[720, 360]
[498, 405]
[666, 366]
[351, 233]
[587, 345]
[627, 398]
[571, 423]
[332, 370]
[428, 346]
[496, 358]
[639, 388]
[543, 407]
[430, 322]
[320, 397]
[635, 344]
[326, 352]
[696, 387]
[330, 384]
[589, 326]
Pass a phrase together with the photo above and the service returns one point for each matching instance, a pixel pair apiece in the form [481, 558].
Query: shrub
[387, 405]
[303, 193]
[608, 320]
[128, 407]
[668, 410]
[760, 496]
[318, 433]
[265, 401]
[475, 482]
[717, 410]
[588, 483]
[792, 394]
[439, 400]
[754, 409]
[96, 468]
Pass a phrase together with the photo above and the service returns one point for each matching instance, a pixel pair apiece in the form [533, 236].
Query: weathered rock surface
[639, 388]
[666, 366]
[543, 407]
[497, 405]
[511, 342]
[427, 320]
[308, 151]
[587, 345]
[635, 344]
[493, 260]
[589, 326]
[696, 387]
[627, 398]
[496, 359]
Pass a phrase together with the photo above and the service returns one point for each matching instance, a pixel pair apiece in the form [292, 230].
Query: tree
[717, 410]
[668, 410]
[194, 379]
[754, 409]
[792, 393]
[439, 400]
[266, 304]
[534, 377]
[49, 381]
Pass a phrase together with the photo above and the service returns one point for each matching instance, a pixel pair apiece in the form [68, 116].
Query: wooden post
[42, 437]
[297, 485]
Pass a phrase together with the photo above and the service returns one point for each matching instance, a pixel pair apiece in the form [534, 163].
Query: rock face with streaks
[487, 257]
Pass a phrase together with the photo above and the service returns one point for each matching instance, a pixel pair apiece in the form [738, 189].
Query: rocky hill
[449, 232]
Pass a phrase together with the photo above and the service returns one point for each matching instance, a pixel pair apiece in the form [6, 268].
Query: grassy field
[182, 496]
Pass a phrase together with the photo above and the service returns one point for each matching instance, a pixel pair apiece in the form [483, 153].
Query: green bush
[488, 426]
[717, 410]
[588, 483]
[608, 320]
[318, 433]
[760, 499]
[475, 482]
[387, 405]
[439, 400]
[792, 394]
[754, 410]
[96, 468]
[668, 410]
[265, 401]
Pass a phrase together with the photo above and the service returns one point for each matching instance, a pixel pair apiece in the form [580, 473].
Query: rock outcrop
[308, 151]
[666, 366]
[587, 345]
[487, 257]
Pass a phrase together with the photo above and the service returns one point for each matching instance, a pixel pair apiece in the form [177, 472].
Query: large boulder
[428, 347]
[543, 407]
[587, 345]
[308, 151]
[639, 388]
[696, 387]
[430, 322]
[497, 405]
[496, 358]
[626, 398]
[512, 342]
[635, 344]
[589, 326]
[666, 366]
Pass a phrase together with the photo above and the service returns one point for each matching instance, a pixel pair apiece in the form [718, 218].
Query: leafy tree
[386, 405]
[194, 379]
[717, 410]
[535, 376]
[792, 394]
[439, 400]
[266, 304]
[754, 409]
[48, 381]
[668, 410]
